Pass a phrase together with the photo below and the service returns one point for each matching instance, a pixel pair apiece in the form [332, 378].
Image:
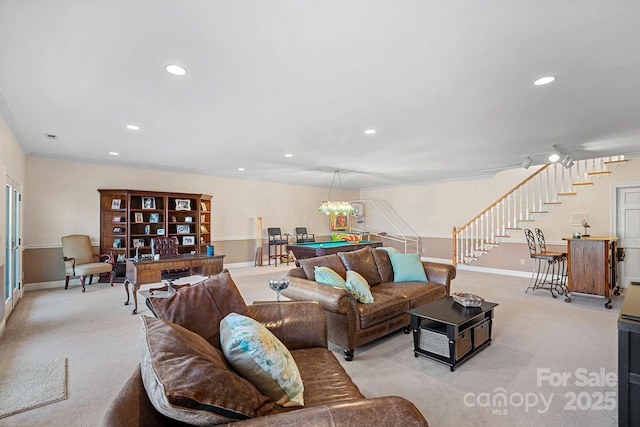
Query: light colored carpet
[532, 332]
[32, 386]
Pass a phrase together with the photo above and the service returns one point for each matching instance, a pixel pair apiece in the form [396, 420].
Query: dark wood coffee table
[450, 333]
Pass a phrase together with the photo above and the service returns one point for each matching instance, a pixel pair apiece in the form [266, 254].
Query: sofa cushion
[332, 261]
[385, 307]
[383, 263]
[407, 268]
[201, 307]
[261, 358]
[326, 276]
[358, 286]
[325, 380]
[362, 261]
[187, 379]
[417, 293]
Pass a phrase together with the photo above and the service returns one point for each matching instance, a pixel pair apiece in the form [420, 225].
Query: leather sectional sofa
[352, 323]
[331, 398]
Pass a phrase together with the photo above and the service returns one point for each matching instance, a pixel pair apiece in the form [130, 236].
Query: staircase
[383, 224]
[535, 196]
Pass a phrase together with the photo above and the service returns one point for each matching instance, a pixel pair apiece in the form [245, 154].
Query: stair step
[513, 228]
[552, 203]
[539, 212]
[610, 162]
[499, 235]
[568, 193]
[599, 173]
[583, 183]
[526, 220]
[492, 244]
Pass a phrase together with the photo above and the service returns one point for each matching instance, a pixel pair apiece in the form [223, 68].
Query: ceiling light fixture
[554, 154]
[527, 162]
[567, 161]
[288, 155]
[241, 169]
[113, 153]
[544, 80]
[133, 127]
[176, 70]
[334, 206]
[370, 131]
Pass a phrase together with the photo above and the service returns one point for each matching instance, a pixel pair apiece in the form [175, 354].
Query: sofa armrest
[297, 324]
[381, 411]
[440, 273]
[332, 299]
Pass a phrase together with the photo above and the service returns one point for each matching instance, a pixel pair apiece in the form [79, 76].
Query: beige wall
[63, 199]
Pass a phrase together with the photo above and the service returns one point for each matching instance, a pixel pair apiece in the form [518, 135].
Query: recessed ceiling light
[176, 70]
[288, 155]
[370, 131]
[113, 153]
[133, 127]
[544, 80]
[241, 169]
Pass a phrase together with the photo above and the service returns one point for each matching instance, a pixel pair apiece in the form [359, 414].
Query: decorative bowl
[467, 299]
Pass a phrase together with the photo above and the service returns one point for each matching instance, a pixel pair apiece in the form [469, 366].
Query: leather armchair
[80, 261]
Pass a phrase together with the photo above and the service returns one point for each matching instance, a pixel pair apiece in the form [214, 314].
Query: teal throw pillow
[254, 352]
[358, 286]
[326, 276]
[407, 268]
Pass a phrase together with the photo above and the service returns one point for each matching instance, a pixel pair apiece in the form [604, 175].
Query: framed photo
[139, 217]
[148, 202]
[183, 204]
[183, 229]
[138, 243]
[338, 221]
[160, 231]
[203, 218]
[203, 228]
[120, 258]
[188, 219]
[117, 243]
[147, 229]
[116, 219]
[173, 218]
[154, 217]
[116, 203]
[189, 240]
[203, 206]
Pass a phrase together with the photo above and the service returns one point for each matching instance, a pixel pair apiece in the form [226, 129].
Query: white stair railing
[381, 221]
[536, 195]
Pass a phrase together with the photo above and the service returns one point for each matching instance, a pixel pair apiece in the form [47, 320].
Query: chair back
[274, 231]
[531, 241]
[78, 246]
[301, 230]
[164, 246]
[541, 243]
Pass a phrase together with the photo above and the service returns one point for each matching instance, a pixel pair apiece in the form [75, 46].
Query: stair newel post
[455, 247]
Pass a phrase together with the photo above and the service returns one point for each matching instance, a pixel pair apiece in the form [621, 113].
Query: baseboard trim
[488, 270]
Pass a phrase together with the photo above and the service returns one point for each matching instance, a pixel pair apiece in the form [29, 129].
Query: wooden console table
[140, 272]
[592, 267]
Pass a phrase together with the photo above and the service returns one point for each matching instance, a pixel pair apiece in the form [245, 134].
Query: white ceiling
[448, 85]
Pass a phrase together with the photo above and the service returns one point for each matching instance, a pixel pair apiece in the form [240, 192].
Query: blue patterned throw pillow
[358, 286]
[262, 359]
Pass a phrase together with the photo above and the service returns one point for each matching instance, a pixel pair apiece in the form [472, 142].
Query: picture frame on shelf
[138, 243]
[147, 229]
[183, 204]
[160, 231]
[116, 203]
[173, 218]
[203, 218]
[116, 219]
[183, 229]
[117, 230]
[203, 228]
[117, 243]
[148, 202]
[188, 219]
[203, 206]
[189, 240]
[138, 217]
[154, 217]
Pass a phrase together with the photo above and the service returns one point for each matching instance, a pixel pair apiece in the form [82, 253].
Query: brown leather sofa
[331, 398]
[351, 323]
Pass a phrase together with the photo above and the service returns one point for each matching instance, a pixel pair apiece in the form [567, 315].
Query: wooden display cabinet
[129, 219]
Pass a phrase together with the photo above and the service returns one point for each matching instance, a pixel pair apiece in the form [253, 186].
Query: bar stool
[545, 263]
[559, 265]
[277, 240]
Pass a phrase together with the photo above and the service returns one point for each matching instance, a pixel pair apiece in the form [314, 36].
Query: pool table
[310, 250]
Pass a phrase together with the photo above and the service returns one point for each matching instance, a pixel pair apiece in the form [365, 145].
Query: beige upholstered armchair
[80, 261]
